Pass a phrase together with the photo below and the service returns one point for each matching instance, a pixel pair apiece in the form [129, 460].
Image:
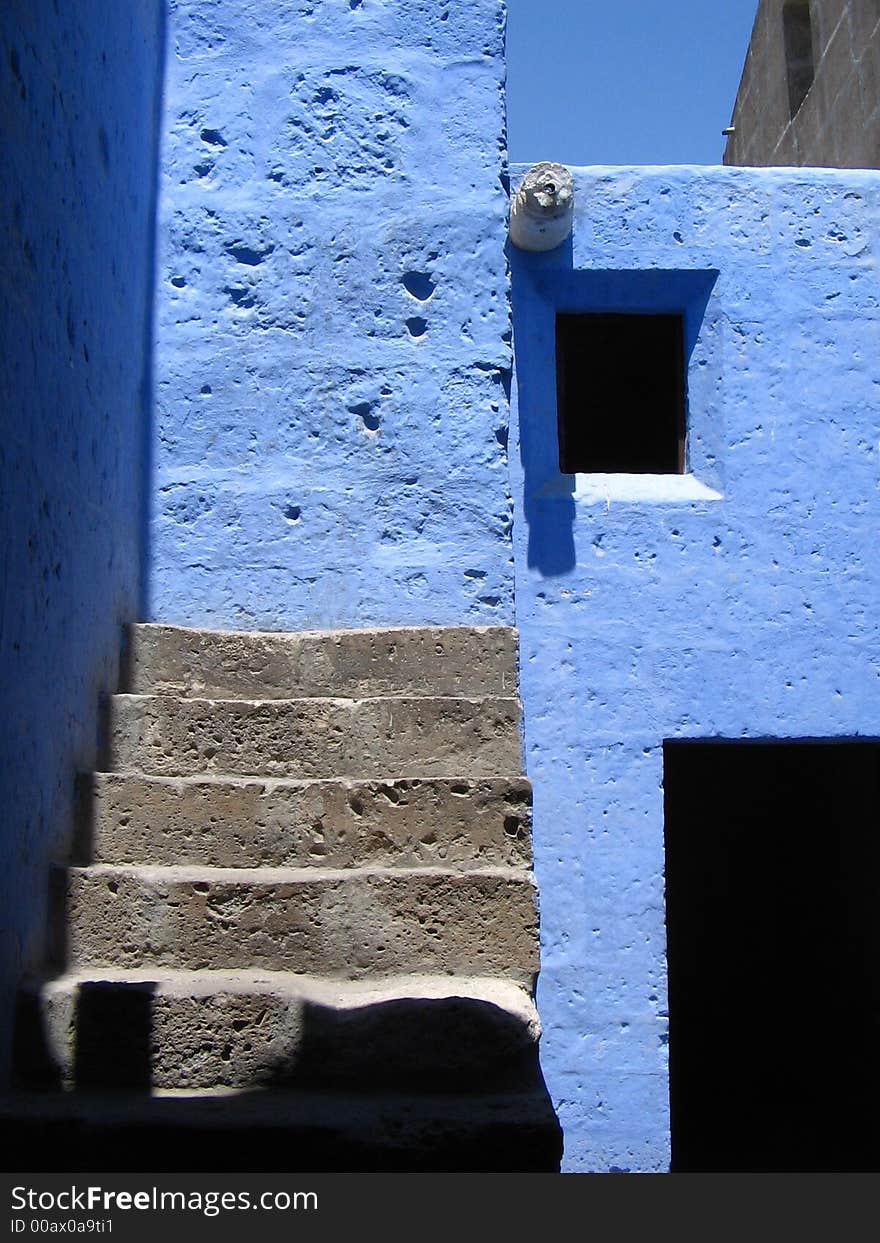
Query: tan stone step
[347, 923]
[240, 822]
[316, 737]
[432, 660]
[105, 1028]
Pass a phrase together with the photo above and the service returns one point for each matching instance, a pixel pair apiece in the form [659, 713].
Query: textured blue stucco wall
[78, 125]
[332, 318]
[740, 601]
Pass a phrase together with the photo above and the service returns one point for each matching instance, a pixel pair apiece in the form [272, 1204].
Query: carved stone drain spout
[541, 212]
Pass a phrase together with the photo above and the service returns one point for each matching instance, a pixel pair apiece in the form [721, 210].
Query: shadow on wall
[80, 98]
[548, 500]
[545, 285]
[147, 392]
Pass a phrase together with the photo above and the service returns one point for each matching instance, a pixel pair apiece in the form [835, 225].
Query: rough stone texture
[188, 1030]
[223, 822]
[838, 123]
[333, 328]
[79, 88]
[344, 923]
[738, 601]
[451, 660]
[416, 736]
[401, 959]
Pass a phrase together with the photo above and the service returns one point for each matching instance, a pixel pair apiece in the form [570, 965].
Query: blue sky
[623, 81]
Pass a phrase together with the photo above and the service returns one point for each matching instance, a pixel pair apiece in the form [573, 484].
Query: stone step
[407, 737]
[109, 1028]
[347, 923]
[236, 822]
[279, 1131]
[432, 660]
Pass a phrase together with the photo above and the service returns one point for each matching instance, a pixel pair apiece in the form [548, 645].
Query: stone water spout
[542, 208]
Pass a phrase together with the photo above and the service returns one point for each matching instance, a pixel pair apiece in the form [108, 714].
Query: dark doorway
[773, 924]
[620, 393]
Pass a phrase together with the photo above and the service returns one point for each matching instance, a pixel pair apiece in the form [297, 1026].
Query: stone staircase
[301, 911]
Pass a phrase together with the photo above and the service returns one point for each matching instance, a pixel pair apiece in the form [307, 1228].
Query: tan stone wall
[838, 123]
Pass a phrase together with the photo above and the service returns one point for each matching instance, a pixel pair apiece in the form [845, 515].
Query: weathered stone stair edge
[216, 1028]
[400, 659]
[329, 990]
[225, 821]
[336, 922]
[197, 873]
[308, 702]
[285, 779]
[208, 632]
[375, 736]
[504, 781]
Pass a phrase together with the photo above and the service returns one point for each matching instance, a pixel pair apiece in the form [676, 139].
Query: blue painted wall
[332, 317]
[331, 438]
[78, 102]
[739, 601]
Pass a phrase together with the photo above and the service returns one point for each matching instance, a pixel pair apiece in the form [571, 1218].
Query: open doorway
[773, 924]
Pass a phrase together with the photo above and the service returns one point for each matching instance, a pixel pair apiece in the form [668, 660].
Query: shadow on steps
[352, 1094]
[279, 1131]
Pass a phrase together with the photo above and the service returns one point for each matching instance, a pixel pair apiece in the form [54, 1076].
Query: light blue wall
[332, 320]
[320, 459]
[739, 602]
[79, 90]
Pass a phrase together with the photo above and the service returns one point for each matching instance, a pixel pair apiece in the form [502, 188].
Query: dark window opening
[773, 941]
[798, 35]
[620, 394]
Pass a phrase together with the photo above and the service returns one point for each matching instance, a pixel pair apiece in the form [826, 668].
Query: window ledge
[655, 489]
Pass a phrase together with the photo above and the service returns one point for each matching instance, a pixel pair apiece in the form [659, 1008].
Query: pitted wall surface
[78, 100]
[333, 324]
[737, 601]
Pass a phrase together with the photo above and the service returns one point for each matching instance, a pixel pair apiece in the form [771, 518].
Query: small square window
[620, 394]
